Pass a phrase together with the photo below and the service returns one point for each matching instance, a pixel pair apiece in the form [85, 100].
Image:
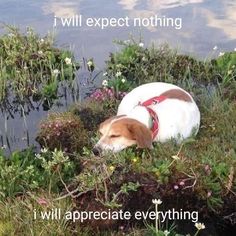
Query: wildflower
[105, 74]
[182, 183]
[215, 48]
[40, 52]
[11, 35]
[175, 157]
[166, 232]
[207, 169]
[127, 41]
[68, 61]
[123, 94]
[56, 72]
[112, 168]
[25, 67]
[4, 146]
[44, 150]
[235, 49]
[42, 202]
[118, 65]
[104, 83]
[38, 156]
[230, 72]
[221, 54]
[157, 201]
[123, 80]
[141, 45]
[90, 63]
[209, 194]
[134, 160]
[118, 73]
[176, 187]
[42, 40]
[144, 59]
[199, 226]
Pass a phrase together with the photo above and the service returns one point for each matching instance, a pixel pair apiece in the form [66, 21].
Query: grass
[32, 67]
[197, 175]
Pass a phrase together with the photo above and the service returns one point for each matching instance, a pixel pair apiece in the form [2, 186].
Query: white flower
[199, 226]
[235, 49]
[166, 232]
[68, 61]
[104, 83]
[56, 72]
[38, 156]
[127, 41]
[44, 150]
[157, 201]
[40, 52]
[144, 59]
[4, 146]
[123, 80]
[42, 40]
[11, 35]
[89, 63]
[118, 73]
[141, 45]
[105, 74]
[25, 67]
[175, 157]
[215, 48]
[221, 54]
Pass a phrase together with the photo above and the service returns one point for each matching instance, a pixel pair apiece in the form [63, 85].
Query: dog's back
[178, 115]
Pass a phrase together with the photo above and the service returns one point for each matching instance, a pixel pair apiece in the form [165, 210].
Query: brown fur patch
[177, 94]
[108, 121]
[133, 130]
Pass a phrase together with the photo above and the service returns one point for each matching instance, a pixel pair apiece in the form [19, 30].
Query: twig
[191, 177]
[70, 193]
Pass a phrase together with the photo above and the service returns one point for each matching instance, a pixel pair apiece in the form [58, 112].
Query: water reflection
[61, 9]
[155, 5]
[226, 20]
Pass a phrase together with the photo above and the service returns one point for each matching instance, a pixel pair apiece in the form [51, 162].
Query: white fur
[177, 119]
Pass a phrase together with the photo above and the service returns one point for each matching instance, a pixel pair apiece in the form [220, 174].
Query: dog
[153, 112]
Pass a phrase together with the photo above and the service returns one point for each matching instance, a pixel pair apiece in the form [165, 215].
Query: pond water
[205, 24]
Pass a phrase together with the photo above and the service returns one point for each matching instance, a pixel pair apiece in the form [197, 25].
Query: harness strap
[155, 120]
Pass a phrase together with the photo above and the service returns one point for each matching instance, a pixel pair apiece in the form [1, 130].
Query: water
[205, 24]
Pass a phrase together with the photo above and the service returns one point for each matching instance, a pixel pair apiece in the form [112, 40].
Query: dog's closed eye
[114, 136]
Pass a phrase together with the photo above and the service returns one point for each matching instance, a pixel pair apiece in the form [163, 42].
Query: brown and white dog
[151, 112]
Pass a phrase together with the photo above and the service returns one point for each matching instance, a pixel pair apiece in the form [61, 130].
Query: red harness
[155, 120]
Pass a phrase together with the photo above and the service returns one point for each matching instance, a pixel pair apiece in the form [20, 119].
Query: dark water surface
[205, 24]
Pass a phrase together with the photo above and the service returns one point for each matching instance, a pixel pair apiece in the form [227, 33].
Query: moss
[92, 112]
[63, 131]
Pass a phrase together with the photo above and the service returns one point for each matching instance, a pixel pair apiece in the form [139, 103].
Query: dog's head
[120, 132]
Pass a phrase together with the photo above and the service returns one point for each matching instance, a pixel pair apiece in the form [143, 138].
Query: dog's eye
[114, 136]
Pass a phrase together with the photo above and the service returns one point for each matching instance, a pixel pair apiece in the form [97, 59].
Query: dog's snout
[96, 151]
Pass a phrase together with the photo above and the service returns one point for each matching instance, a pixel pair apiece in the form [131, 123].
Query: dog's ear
[141, 134]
